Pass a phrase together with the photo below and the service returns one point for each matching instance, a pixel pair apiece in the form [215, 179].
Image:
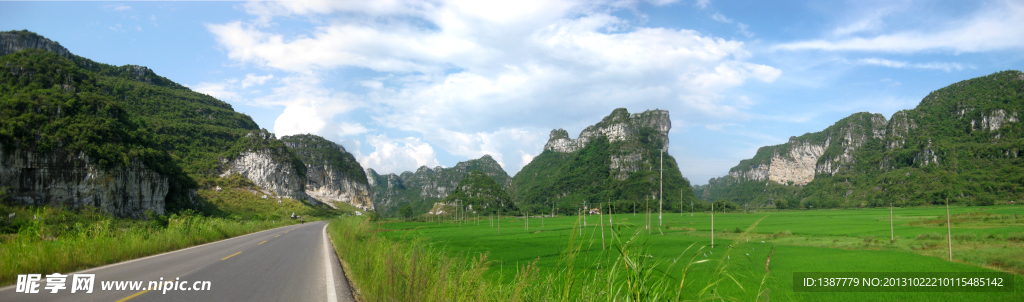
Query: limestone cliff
[15, 41]
[332, 174]
[623, 128]
[273, 169]
[422, 188]
[61, 178]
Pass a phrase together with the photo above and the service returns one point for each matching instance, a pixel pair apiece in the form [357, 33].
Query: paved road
[292, 263]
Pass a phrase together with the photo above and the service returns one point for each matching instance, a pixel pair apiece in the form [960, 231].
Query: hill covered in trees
[616, 161]
[961, 143]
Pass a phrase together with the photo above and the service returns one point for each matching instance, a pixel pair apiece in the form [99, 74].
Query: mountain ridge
[946, 147]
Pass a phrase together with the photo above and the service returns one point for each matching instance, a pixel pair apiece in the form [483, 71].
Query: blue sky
[405, 84]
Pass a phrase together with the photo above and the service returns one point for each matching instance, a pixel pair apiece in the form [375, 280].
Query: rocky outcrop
[847, 136]
[626, 129]
[332, 173]
[618, 126]
[994, 120]
[12, 42]
[60, 178]
[267, 168]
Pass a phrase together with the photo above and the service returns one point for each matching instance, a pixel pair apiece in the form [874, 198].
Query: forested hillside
[961, 143]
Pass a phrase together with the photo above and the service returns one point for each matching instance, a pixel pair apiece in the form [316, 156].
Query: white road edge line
[157, 255]
[332, 296]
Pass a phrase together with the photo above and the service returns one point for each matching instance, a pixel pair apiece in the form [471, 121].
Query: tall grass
[412, 269]
[56, 240]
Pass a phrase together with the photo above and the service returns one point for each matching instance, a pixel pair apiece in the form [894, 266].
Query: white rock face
[620, 126]
[63, 178]
[800, 169]
[275, 176]
[994, 120]
[797, 166]
[330, 186]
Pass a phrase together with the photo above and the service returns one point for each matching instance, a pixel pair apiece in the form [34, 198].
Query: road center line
[132, 296]
[232, 255]
[264, 241]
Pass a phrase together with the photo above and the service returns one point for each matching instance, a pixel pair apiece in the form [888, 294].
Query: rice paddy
[985, 239]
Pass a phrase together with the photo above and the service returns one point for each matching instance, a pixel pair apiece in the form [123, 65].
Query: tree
[405, 211]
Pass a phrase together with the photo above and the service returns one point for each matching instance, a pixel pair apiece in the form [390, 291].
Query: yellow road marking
[264, 241]
[232, 255]
[276, 236]
[133, 296]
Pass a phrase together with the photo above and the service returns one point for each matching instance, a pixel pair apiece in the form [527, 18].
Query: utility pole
[648, 215]
[949, 231]
[892, 233]
[585, 209]
[602, 230]
[712, 225]
[661, 191]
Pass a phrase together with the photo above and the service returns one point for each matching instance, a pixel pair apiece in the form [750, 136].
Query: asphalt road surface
[291, 263]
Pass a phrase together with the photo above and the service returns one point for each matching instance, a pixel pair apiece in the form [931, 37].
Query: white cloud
[220, 91]
[519, 69]
[901, 64]
[118, 7]
[891, 82]
[252, 80]
[721, 18]
[349, 129]
[372, 84]
[702, 4]
[299, 118]
[397, 155]
[740, 26]
[997, 26]
[525, 158]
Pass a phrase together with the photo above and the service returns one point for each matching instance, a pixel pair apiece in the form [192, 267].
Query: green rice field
[985, 239]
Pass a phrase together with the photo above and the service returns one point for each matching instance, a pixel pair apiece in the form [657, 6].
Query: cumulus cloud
[476, 78]
[397, 155]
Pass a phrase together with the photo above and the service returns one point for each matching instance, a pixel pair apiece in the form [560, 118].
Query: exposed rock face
[800, 159]
[332, 174]
[12, 42]
[426, 185]
[330, 186]
[619, 126]
[898, 128]
[798, 167]
[851, 133]
[268, 169]
[386, 190]
[994, 120]
[62, 178]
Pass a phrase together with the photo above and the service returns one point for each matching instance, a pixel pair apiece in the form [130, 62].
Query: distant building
[595, 211]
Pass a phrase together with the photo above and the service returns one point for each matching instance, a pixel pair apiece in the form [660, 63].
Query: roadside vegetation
[53, 239]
